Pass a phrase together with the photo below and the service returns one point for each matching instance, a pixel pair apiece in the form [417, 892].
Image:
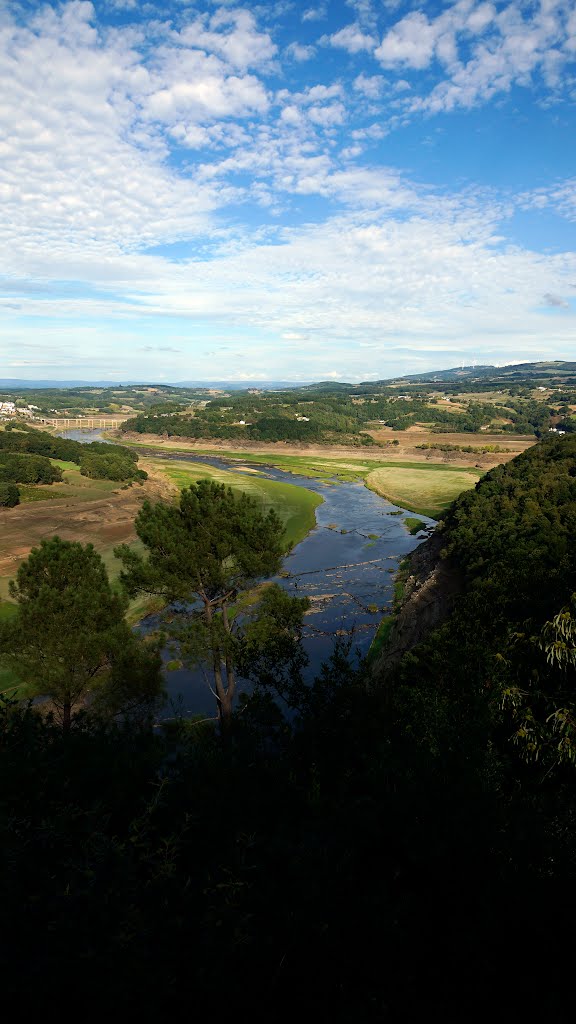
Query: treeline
[99, 460]
[82, 401]
[332, 417]
[483, 449]
[400, 414]
[321, 427]
[110, 467]
[27, 469]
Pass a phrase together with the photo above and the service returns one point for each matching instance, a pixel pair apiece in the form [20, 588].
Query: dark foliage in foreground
[338, 867]
[378, 856]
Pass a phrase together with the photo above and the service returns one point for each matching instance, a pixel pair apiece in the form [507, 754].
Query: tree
[110, 467]
[542, 702]
[202, 553]
[9, 495]
[269, 651]
[70, 639]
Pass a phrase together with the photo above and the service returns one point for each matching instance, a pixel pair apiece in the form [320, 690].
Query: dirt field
[102, 515]
[405, 449]
[421, 435]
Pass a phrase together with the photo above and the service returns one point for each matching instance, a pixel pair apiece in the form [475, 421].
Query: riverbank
[294, 505]
[345, 544]
[426, 589]
[418, 484]
[394, 446]
[345, 566]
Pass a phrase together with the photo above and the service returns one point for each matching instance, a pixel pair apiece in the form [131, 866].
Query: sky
[341, 189]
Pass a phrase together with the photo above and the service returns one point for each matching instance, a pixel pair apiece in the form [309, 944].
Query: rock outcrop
[432, 588]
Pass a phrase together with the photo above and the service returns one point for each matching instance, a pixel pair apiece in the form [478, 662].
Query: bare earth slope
[406, 447]
[104, 522]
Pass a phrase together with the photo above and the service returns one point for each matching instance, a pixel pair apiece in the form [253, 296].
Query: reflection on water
[345, 566]
[83, 434]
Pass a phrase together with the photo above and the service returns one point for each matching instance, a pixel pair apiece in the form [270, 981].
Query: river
[345, 566]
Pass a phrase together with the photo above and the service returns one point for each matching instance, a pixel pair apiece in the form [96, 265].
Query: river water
[345, 566]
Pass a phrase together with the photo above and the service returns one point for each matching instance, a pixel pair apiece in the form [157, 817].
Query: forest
[345, 418]
[25, 455]
[363, 848]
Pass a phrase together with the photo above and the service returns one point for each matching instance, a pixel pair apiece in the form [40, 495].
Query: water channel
[345, 566]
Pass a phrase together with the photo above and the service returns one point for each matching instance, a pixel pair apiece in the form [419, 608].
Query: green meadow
[294, 505]
[426, 488]
[422, 488]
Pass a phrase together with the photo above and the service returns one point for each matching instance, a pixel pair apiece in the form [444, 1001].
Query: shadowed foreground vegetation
[358, 850]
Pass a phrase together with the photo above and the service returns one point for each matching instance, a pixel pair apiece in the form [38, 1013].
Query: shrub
[9, 495]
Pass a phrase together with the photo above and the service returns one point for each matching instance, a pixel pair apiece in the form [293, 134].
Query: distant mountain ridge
[541, 370]
[226, 385]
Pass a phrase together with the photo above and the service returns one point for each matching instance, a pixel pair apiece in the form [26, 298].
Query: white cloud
[560, 197]
[317, 13]
[320, 93]
[87, 120]
[206, 94]
[372, 131]
[292, 115]
[369, 85]
[350, 38]
[328, 116]
[434, 277]
[484, 50]
[73, 169]
[480, 17]
[299, 52]
[241, 44]
[115, 142]
[410, 43]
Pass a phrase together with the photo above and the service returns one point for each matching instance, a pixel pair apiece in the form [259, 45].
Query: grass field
[420, 488]
[39, 492]
[294, 505]
[424, 487]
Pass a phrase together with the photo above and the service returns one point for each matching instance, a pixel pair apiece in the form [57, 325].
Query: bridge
[90, 422]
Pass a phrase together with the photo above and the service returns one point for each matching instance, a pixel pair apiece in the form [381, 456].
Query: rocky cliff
[432, 586]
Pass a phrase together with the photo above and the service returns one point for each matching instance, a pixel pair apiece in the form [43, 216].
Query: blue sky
[347, 189]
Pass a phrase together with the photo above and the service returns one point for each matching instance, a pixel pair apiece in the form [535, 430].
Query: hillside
[477, 596]
[554, 373]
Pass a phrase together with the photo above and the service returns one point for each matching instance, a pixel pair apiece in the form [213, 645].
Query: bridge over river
[87, 422]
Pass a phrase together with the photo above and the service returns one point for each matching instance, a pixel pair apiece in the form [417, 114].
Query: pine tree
[202, 553]
[70, 639]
